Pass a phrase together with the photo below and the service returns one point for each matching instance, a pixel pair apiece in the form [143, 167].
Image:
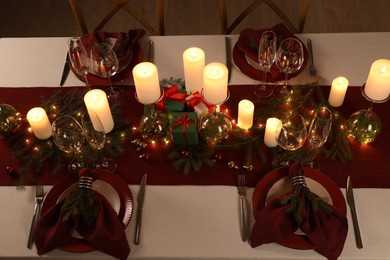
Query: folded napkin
[106, 234]
[324, 225]
[123, 45]
[249, 40]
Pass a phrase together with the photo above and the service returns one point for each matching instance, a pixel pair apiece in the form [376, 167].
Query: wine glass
[319, 130]
[78, 57]
[266, 55]
[292, 133]
[96, 137]
[104, 63]
[289, 59]
[69, 137]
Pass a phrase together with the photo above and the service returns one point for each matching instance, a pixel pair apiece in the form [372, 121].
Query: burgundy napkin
[325, 228]
[122, 47]
[248, 44]
[107, 234]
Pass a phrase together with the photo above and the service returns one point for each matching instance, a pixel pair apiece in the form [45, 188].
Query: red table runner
[369, 168]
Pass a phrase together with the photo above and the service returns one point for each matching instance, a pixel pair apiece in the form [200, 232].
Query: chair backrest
[118, 5]
[304, 8]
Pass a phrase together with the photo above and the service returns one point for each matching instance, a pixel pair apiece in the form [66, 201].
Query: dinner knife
[140, 200]
[228, 57]
[351, 203]
[151, 51]
[65, 71]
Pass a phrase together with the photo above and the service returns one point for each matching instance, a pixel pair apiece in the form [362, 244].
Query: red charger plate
[80, 245]
[262, 188]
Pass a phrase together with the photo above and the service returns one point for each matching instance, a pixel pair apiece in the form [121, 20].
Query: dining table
[193, 219]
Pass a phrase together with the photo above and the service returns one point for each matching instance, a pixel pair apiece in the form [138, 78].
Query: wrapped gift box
[184, 128]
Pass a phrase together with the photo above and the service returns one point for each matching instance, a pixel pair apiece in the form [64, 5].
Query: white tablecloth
[195, 222]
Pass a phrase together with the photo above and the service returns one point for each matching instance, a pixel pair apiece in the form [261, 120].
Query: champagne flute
[289, 59]
[68, 137]
[94, 133]
[319, 130]
[266, 56]
[104, 63]
[78, 57]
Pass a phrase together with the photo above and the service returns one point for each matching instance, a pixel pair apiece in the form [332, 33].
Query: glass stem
[264, 80]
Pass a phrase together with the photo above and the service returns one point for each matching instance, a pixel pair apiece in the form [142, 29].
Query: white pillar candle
[215, 82]
[193, 63]
[245, 114]
[39, 123]
[272, 130]
[96, 101]
[378, 81]
[146, 82]
[338, 91]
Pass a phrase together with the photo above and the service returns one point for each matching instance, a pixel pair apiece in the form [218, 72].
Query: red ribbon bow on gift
[185, 123]
[195, 99]
[170, 93]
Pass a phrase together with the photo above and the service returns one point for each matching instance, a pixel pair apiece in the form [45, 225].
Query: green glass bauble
[364, 126]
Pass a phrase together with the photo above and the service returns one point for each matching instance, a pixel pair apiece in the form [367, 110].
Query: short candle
[272, 130]
[338, 91]
[39, 123]
[378, 81]
[193, 63]
[96, 101]
[147, 85]
[215, 81]
[245, 114]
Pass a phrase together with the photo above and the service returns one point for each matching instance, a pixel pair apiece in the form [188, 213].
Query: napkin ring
[85, 182]
[298, 180]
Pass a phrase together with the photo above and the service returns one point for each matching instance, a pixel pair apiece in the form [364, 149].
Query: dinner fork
[242, 193]
[39, 194]
[312, 68]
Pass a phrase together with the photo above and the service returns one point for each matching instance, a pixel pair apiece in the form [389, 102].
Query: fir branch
[196, 157]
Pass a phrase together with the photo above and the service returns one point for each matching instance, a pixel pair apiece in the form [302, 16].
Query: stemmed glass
[78, 57]
[266, 55]
[104, 63]
[96, 137]
[319, 130]
[69, 137]
[293, 133]
[289, 59]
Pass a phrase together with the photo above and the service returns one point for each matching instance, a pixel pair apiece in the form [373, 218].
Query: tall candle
[245, 114]
[378, 81]
[215, 81]
[272, 130]
[39, 123]
[96, 101]
[146, 82]
[338, 91]
[193, 63]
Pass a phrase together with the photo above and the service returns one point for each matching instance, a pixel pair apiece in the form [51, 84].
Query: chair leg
[112, 12]
[161, 16]
[303, 14]
[223, 15]
[77, 13]
[244, 14]
[282, 15]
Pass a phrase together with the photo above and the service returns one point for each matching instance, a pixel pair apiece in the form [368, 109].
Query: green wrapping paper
[184, 128]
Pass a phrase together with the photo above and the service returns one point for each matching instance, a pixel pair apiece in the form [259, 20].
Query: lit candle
[337, 92]
[215, 81]
[193, 63]
[146, 82]
[39, 123]
[245, 114]
[96, 101]
[272, 130]
[378, 81]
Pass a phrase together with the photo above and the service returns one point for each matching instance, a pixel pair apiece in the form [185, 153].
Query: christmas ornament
[10, 119]
[11, 171]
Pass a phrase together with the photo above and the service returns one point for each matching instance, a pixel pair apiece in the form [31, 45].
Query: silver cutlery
[140, 200]
[228, 57]
[150, 51]
[39, 195]
[351, 203]
[243, 219]
[312, 68]
[65, 71]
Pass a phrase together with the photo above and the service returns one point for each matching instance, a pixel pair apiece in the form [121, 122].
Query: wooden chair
[256, 3]
[118, 5]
